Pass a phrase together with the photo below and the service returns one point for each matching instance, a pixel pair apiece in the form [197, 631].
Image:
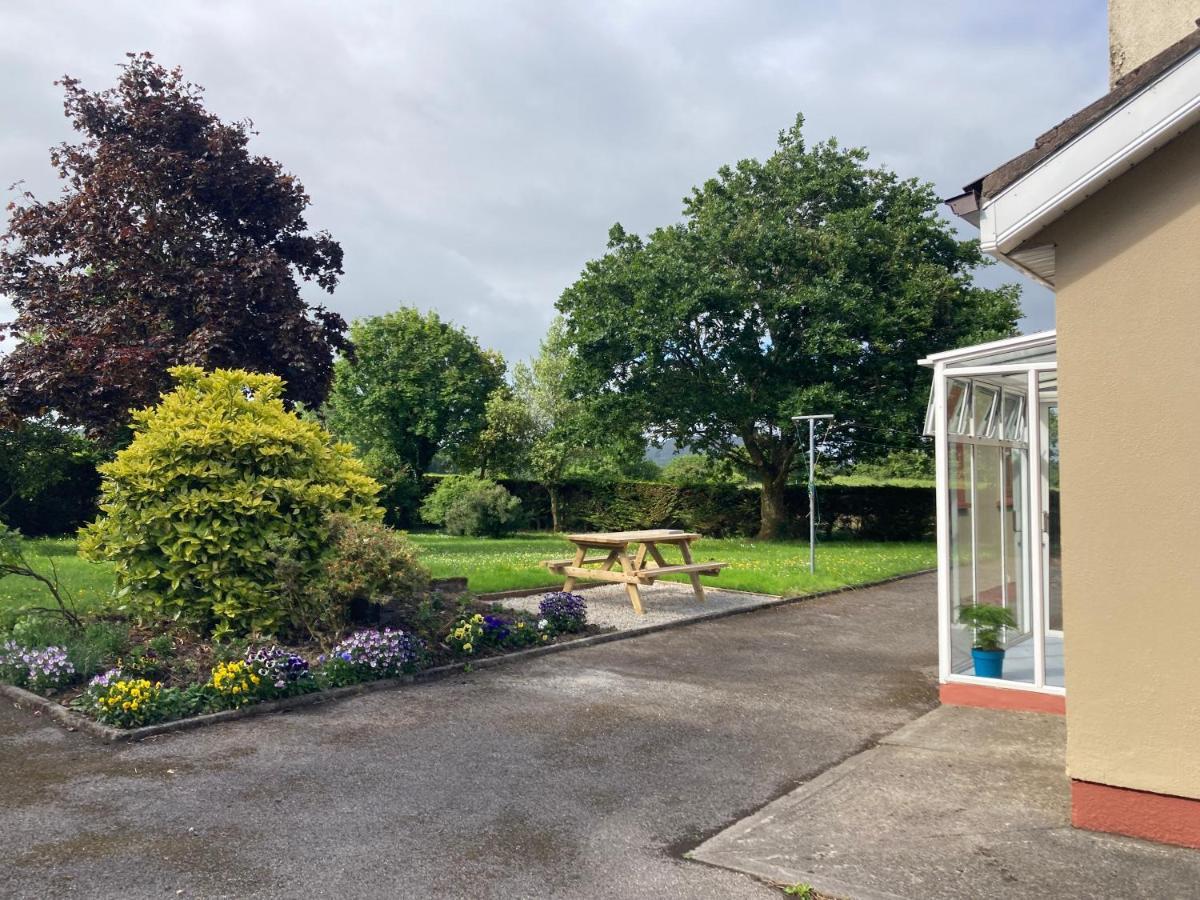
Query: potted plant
[988, 622]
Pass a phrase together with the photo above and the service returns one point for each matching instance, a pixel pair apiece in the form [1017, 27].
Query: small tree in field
[416, 387]
[169, 244]
[805, 283]
[220, 475]
[563, 433]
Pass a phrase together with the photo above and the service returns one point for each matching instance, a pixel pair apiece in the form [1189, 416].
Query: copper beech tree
[170, 243]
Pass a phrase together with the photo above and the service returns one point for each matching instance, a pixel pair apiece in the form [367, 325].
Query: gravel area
[664, 602]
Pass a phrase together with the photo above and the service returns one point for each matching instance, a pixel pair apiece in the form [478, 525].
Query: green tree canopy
[565, 433]
[808, 282]
[416, 387]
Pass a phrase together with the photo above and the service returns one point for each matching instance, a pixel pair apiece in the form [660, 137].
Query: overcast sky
[471, 157]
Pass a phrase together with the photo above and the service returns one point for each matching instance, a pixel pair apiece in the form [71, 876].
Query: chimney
[1138, 29]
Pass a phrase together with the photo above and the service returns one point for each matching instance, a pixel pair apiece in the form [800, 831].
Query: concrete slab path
[962, 803]
[583, 774]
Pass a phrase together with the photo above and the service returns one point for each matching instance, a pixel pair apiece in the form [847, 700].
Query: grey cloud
[471, 157]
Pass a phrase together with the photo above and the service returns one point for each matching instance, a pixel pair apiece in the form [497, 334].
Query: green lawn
[497, 564]
[777, 567]
[90, 583]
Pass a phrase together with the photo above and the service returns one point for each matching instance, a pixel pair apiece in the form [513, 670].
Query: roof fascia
[1167, 107]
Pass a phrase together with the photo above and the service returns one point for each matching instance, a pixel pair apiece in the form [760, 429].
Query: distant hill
[662, 455]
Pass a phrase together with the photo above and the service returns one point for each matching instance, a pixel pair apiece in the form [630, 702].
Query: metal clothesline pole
[812, 486]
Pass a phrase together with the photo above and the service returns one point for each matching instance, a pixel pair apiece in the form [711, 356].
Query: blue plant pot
[988, 663]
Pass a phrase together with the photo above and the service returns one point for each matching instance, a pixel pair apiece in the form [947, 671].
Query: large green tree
[170, 243]
[416, 387]
[807, 282]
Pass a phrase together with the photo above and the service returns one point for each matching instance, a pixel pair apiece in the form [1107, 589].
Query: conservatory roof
[1005, 363]
[1024, 349]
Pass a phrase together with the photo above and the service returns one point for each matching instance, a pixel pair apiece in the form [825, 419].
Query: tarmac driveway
[581, 774]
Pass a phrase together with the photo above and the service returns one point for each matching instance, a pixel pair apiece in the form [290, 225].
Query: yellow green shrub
[219, 473]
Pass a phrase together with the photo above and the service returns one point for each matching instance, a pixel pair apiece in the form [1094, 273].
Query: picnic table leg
[657, 554]
[580, 556]
[631, 587]
[639, 558]
[697, 587]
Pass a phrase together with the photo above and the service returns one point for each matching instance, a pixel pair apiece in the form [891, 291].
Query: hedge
[717, 510]
[61, 509]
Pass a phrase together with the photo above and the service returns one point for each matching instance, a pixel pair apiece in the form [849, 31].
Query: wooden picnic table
[635, 568]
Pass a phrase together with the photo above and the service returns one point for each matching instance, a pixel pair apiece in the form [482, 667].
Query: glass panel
[962, 576]
[989, 561]
[958, 406]
[989, 580]
[930, 412]
[1014, 417]
[995, 425]
[985, 402]
[1053, 550]
[1018, 657]
[1016, 525]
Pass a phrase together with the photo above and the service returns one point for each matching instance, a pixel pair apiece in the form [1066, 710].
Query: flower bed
[157, 685]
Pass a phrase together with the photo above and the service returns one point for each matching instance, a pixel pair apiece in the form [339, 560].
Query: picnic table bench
[635, 569]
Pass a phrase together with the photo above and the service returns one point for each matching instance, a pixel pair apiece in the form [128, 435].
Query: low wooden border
[77, 721]
[493, 596]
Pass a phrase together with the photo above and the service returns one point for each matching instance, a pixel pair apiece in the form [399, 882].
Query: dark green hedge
[59, 510]
[719, 510]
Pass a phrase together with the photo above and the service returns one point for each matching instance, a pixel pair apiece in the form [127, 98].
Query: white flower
[543, 624]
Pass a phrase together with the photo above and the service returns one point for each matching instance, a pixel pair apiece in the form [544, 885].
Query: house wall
[1128, 317]
[1138, 29]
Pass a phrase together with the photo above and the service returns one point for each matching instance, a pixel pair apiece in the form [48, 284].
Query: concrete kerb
[76, 721]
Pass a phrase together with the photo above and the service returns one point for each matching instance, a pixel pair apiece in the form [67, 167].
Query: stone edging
[76, 721]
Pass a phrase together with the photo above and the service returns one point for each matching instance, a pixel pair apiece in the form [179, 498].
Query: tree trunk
[773, 517]
[553, 491]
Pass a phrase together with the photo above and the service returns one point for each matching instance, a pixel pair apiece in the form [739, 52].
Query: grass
[90, 584]
[497, 564]
[776, 567]
[872, 481]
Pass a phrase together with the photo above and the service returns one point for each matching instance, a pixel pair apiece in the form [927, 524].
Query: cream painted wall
[1128, 315]
[1138, 29]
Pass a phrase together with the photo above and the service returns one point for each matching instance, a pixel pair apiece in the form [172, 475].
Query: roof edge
[1055, 139]
[1019, 342]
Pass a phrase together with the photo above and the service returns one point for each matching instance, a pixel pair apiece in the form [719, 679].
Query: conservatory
[993, 414]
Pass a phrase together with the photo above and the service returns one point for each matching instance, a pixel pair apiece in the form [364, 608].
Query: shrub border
[76, 721]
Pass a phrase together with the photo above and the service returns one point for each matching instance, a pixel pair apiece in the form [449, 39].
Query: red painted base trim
[956, 694]
[1154, 817]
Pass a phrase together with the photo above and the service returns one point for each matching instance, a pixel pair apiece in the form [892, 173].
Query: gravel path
[609, 606]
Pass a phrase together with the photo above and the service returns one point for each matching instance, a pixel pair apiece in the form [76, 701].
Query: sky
[471, 156]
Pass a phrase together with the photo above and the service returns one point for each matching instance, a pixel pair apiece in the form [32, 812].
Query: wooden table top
[654, 536]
